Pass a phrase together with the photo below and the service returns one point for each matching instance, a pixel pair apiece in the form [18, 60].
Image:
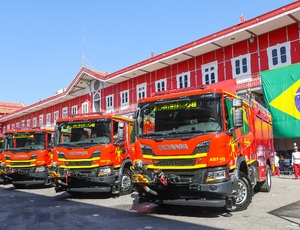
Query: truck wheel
[244, 193]
[126, 182]
[265, 186]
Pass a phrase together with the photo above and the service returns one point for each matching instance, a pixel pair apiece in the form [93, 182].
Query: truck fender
[126, 187]
[125, 164]
[241, 166]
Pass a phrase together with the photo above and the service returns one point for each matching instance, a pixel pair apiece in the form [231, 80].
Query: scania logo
[83, 153]
[173, 147]
[20, 156]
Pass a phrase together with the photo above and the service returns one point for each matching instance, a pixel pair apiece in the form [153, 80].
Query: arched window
[96, 102]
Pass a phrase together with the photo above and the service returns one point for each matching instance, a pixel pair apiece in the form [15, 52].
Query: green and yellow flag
[281, 88]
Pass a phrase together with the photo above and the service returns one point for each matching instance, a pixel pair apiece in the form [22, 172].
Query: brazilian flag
[281, 88]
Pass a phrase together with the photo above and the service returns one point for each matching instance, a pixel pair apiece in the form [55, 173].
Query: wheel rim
[126, 182]
[242, 192]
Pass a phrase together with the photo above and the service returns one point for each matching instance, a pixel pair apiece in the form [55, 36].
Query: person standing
[296, 161]
[277, 165]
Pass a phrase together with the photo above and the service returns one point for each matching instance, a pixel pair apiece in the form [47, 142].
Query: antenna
[84, 61]
[83, 58]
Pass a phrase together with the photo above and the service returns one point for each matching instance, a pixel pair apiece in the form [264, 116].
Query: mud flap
[230, 203]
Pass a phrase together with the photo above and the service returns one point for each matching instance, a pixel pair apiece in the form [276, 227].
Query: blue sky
[41, 42]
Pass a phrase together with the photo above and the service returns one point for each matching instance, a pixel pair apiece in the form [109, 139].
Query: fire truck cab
[93, 153]
[204, 147]
[26, 157]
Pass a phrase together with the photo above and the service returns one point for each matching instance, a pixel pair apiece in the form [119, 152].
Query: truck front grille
[20, 163]
[174, 162]
[78, 163]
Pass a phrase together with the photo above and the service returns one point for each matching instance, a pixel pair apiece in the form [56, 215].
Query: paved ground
[33, 208]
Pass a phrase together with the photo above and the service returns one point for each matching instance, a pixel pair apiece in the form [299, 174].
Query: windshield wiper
[189, 131]
[154, 134]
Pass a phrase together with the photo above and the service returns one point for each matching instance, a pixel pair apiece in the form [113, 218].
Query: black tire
[126, 185]
[244, 192]
[266, 185]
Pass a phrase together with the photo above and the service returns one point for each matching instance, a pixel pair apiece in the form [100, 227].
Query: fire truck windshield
[25, 141]
[83, 133]
[188, 116]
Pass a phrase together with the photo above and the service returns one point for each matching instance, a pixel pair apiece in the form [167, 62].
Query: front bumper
[84, 180]
[25, 176]
[185, 187]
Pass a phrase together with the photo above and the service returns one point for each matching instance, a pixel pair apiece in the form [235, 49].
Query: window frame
[180, 80]
[124, 101]
[287, 46]
[158, 85]
[141, 91]
[210, 65]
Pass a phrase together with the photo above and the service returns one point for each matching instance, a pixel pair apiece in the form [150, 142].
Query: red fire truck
[93, 153]
[26, 157]
[204, 147]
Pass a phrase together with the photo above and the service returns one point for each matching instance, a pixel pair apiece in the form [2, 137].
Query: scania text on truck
[26, 157]
[204, 147]
[93, 153]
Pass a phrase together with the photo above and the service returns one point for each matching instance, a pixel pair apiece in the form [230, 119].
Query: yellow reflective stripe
[78, 160]
[11, 161]
[20, 166]
[177, 167]
[78, 167]
[248, 162]
[175, 157]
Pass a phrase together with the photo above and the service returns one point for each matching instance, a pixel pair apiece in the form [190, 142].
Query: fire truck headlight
[216, 176]
[40, 169]
[61, 155]
[105, 171]
[147, 150]
[97, 153]
[34, 156]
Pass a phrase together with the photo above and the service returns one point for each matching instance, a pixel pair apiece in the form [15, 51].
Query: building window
[141, 91]
[13, 126]
[48, 119]
[210, 73]
[279, 55]
[124, 99]
[64, 112]
[23, 124]
[34, 122]
[160, 85]
[55, 116]
[41, 120]
[110, 102]
[74, 109]
[28, 123]
[183, 80]
[18, 125]
[85, 107]
[241, 66]
[97, 102]
[8, 127]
